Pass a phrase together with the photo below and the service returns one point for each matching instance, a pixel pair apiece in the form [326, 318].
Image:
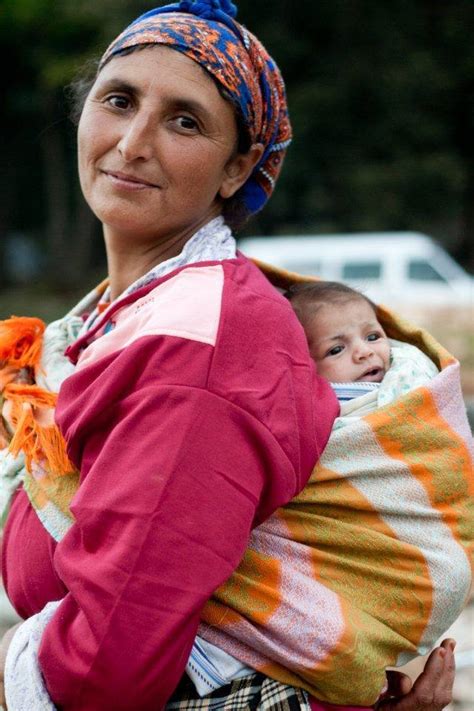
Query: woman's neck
[129, 260]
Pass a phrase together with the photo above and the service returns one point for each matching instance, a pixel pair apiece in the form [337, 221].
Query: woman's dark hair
[233, 209]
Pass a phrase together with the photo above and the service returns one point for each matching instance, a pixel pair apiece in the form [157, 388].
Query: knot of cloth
[210, 10]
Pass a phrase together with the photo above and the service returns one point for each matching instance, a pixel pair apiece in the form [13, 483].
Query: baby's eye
[118, 101]
[335, 351]
[374, 336]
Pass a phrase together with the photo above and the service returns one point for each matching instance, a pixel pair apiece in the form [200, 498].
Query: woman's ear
[238, 170]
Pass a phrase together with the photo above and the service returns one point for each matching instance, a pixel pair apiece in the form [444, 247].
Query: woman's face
[157, 146]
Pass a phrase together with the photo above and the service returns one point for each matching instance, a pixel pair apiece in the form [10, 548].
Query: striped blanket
[371, 563]
[364, 569]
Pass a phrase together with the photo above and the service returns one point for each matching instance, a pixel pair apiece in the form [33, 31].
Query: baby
[369, 564]
[350, 348]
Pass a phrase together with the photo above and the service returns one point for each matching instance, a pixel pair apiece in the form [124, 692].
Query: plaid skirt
[250, 693]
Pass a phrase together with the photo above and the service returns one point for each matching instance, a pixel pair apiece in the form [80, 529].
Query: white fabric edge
[24, 684]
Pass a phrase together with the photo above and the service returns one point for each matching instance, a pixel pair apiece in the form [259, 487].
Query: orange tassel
[33, 394]
[9, 374]
[41, 443]
[20, 341]
[53, 447]
[24, 438]
[4, 436]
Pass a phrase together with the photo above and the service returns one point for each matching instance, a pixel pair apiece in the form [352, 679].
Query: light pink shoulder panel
[187, 306]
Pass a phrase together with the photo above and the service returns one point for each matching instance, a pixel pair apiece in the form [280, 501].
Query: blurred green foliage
[381, 98]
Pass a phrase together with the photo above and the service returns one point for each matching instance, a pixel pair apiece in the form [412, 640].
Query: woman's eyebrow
[191, 105]
[119, 85]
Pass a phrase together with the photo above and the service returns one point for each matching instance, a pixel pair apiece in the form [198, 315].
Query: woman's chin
[129, 231]
[121, 220]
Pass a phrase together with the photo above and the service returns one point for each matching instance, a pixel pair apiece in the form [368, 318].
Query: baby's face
[347, 342]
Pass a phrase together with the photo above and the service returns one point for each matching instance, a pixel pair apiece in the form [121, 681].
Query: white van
[394, 268]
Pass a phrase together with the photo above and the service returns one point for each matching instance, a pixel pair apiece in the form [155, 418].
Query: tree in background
[43, 44]
[381, 96]
[382, 105]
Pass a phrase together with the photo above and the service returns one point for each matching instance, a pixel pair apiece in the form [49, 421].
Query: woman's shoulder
[252, 298]
[248, 276]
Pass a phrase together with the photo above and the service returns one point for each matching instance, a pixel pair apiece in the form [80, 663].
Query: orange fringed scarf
[27, 409]
[20, 342]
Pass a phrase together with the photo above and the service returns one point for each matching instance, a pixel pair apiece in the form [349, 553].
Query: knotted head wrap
[207, 32]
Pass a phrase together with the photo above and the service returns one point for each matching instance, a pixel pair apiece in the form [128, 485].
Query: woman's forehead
[167, 73]
[156, 62]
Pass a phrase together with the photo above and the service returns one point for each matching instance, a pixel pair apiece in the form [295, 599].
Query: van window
[361, 270]
[304, 267]
[421, 270]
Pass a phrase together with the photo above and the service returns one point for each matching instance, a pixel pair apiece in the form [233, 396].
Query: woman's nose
[136, 142]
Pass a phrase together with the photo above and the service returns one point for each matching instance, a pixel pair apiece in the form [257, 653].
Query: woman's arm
[179, 458]
[173, 486]
[184, 442]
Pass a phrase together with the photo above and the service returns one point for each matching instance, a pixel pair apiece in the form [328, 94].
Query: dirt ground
[454, 329]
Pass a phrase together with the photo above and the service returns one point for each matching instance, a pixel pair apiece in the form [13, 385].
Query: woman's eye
[118, 102]
[334, 351]
[187, 123]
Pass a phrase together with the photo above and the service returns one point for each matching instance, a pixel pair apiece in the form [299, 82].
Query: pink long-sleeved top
[191, 420]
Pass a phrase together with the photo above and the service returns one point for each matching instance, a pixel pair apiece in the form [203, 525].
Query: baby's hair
[307, 298]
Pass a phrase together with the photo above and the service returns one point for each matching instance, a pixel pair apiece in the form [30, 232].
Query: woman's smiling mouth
[128, 182]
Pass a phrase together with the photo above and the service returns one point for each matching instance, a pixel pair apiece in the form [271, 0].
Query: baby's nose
[363, 350]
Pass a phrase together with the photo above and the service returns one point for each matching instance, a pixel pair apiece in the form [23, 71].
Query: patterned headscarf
[207, 32]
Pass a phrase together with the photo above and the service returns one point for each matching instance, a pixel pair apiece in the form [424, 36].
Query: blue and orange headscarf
[207, 32]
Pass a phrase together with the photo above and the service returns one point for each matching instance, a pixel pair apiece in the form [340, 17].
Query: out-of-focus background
[382, 103]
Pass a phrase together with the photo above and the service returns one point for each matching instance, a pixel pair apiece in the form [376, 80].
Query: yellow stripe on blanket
[371, 558]
[414, 432]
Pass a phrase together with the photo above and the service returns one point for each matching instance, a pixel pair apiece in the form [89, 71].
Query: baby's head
[345, 339]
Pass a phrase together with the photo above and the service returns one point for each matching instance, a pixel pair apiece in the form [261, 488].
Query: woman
[192, 411]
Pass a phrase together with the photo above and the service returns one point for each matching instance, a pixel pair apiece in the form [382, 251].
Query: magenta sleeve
[184, 443]
[175, 477]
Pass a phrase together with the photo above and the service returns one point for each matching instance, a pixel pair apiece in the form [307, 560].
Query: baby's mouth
[372, 375]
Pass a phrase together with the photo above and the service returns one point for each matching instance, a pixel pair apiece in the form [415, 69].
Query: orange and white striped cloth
[372, 562]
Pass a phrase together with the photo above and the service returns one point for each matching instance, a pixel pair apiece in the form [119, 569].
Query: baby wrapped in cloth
[371, 563]
[368, 565]
[410, 368]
